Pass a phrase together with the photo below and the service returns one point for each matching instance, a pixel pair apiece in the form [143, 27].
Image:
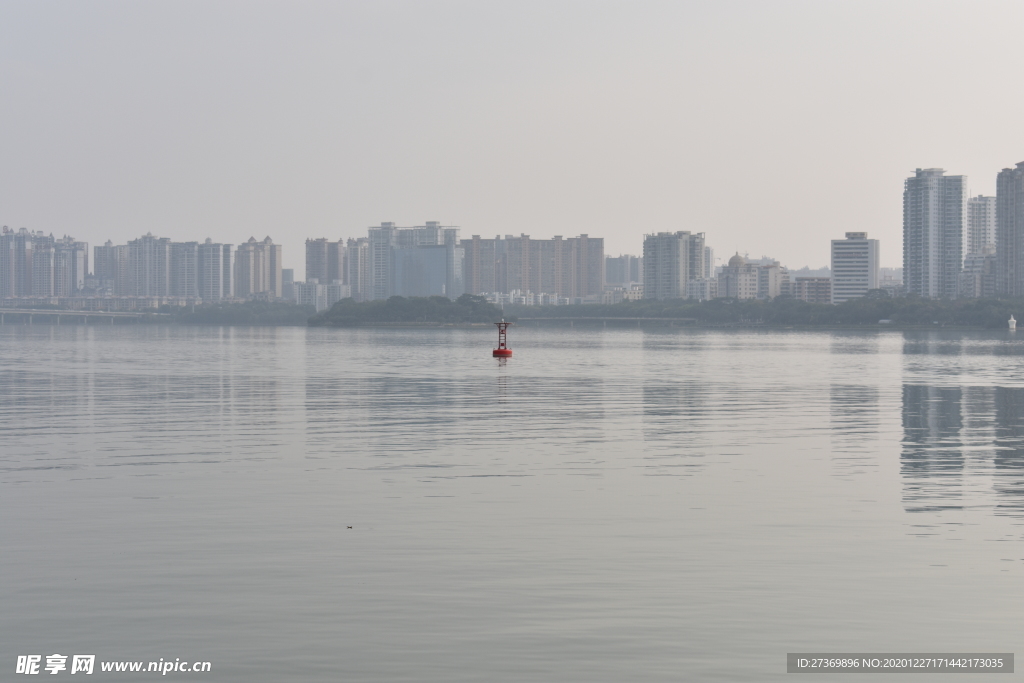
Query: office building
[671, 259]
[934, 209]
[854, 266]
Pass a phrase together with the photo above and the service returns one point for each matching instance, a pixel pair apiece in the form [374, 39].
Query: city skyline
[612, 122]
[977, 230]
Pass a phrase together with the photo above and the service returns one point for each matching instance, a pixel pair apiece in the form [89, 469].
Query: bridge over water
[607, 319]
[53, 316]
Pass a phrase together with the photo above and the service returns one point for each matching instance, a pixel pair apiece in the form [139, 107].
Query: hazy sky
[773, 127]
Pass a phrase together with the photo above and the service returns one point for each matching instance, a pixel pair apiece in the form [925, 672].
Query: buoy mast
[502, 351]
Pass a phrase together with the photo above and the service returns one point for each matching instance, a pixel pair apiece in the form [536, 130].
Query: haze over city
[772, 127]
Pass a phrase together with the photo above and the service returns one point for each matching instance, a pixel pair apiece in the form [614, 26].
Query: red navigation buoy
[502, 351]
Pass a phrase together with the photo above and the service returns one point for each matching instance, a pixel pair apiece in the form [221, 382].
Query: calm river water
[613, 505]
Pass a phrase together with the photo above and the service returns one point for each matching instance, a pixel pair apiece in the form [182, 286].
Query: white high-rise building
[981, 225]
[215, 271]
[855, 266]
[934, 215]
[1010, 236]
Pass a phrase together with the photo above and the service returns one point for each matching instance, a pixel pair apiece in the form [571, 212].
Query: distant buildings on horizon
[432, 260]
[954, 246]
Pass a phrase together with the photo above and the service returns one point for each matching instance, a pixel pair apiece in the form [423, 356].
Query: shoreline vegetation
[873, 311]
[468, 309]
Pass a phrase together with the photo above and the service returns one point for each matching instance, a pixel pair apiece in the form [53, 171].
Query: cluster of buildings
[679, 265]
[144, 273]
[432, 260]
[959, 246]
[954, 246]
[34, 264]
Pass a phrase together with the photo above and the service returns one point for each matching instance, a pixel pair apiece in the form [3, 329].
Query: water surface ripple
[608, 505]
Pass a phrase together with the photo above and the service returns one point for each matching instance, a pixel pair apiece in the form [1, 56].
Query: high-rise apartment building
[381, 241]
[43, 265]
[149, 266]
[671, 259]
[427, 261]
[316, 259]
[184, 270]
[258, 269]
[623, 269]
[394, 261]
[481, 263]
[357, 258]
[980, 233]
[15, 262]
[337, 271]
[570, 268]
[934, 209]
[1010, 231]
[34, 264]
[110, 268]
[288, 284]
[71, 265]
[855, 266]
[214, 279]
[325, 260]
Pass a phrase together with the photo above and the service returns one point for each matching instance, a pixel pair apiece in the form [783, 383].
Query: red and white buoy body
[502, 351]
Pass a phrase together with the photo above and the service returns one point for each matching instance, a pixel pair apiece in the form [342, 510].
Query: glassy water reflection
[296, 504]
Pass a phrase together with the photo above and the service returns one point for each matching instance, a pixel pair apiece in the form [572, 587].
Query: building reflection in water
[675, 414]
[854, 426]
[963, 447]
[932, 463]
[1009, 450]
